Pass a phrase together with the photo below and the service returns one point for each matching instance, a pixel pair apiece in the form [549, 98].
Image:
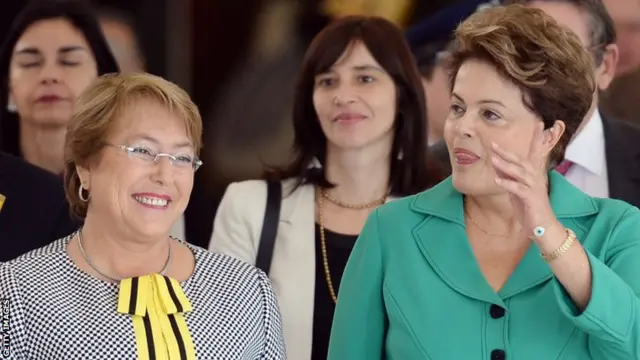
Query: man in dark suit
[603, 158]
[33, 208]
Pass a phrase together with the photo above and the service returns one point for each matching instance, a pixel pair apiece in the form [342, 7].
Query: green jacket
[413, 290]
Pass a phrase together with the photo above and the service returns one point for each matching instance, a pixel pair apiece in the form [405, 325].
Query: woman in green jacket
[505, 259]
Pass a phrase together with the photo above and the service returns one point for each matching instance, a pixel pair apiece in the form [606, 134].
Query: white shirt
[587, 152]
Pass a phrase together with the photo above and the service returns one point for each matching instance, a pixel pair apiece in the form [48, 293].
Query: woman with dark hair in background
[359, 118]
[54, 50]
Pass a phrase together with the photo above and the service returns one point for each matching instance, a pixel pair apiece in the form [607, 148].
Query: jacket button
[498, 355]
[496, 311]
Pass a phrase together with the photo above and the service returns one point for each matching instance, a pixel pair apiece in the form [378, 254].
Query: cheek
[383, 104]
[22, 88]
[117, 177]
[320, 104]
[79, 80]
[184, 185]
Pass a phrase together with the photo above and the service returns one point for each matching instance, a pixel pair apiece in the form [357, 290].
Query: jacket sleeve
[274, 348]
[612, 317]
[232, 227]
[359, 323]
[12, 337]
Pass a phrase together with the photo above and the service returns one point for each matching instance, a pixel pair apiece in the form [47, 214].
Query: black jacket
[35, 211]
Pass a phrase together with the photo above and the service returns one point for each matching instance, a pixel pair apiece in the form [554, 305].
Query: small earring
[81, 194]
[400, 154]
[11, 107]
[315, 164]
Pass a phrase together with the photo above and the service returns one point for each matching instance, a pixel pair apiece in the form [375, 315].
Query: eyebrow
[368, 67]
[184, 144]
[62, 50]
[483, 101]
[361, 68]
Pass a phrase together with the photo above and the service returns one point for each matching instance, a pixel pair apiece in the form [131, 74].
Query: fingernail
[495, 145]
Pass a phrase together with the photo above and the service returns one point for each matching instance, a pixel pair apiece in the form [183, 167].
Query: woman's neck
[122, 255]
[493, 213]
[361, 176]
[43, 147]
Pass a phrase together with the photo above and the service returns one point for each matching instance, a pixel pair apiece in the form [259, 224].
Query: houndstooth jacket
[56, 311]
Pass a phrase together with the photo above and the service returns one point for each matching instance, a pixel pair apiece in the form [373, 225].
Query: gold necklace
[374, 203]
[321, 193]
[508, 235]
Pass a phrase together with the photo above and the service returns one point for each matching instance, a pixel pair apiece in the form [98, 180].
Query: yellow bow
[157, 305]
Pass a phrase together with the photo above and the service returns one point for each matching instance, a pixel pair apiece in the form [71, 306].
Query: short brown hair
[412, 169]
[545, 60]
[99, 107]
[602, 31]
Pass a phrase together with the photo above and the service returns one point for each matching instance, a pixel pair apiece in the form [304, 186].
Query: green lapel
[442, 239]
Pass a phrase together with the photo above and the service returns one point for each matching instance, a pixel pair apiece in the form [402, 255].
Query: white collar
[587, 148]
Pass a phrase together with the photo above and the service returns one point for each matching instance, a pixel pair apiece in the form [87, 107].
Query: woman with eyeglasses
[121, 287]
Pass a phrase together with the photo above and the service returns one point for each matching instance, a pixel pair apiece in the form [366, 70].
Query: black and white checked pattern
[59, 312]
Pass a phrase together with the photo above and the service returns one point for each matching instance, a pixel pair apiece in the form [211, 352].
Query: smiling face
[487, 108]
[127, 187]
[51, 65]
[355, 101]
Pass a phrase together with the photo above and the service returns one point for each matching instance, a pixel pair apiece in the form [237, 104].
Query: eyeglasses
[180, 161]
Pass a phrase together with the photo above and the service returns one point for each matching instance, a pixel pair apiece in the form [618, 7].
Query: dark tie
[564, 166]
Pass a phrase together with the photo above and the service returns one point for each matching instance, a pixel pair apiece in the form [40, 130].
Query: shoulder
[228, 275]
[253, 193]
[400, 212]
[27, 176]
[615, 212]
[29, 267]
[621, 129]
[622, 125]
[242, 198]
[246, 188]
[614, 225]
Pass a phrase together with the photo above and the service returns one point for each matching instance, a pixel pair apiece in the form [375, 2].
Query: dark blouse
[339, 248]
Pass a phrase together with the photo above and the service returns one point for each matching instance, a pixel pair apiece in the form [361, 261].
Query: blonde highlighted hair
[98, 109]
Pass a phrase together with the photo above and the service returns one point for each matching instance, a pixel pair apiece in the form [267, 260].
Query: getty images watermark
[5, 324]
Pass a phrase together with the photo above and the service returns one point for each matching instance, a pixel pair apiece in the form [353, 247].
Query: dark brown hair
[544, 59]
[412, 173]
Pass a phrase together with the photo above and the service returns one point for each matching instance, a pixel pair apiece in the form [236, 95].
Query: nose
[465, 125]
[162, 170]
[343, 95]
[51, 73]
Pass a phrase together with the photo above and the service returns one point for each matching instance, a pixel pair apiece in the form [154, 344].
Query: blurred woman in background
[54, 51]
[359, 121]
